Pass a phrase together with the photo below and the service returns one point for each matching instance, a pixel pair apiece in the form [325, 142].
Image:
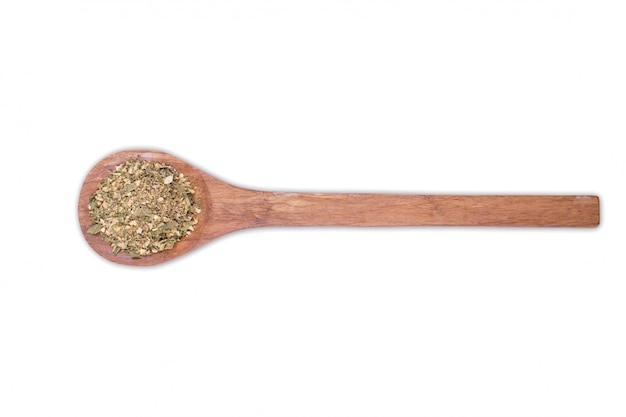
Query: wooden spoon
[227, 208]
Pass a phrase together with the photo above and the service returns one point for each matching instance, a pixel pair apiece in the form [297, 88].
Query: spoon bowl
[102, 169]
[226, 208]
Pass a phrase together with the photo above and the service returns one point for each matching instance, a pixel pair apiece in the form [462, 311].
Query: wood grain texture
[227, 208]
[431, 210]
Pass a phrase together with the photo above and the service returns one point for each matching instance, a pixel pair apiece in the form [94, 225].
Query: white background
[356, 96]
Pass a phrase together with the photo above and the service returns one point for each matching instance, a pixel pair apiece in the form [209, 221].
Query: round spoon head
[199, 180]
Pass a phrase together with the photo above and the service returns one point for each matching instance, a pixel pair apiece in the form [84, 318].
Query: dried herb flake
[143, 207]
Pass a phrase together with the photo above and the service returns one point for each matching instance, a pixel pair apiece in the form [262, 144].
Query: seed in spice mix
[143, 207]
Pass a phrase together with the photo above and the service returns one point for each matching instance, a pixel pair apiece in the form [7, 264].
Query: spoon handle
[311, 209]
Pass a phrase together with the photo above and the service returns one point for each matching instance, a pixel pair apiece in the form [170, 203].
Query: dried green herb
[143, 207]
[95, 229]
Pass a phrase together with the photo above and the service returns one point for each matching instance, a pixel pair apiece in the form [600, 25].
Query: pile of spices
[143, 207]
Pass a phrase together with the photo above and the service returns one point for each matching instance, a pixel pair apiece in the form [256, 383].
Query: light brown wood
[227, 208]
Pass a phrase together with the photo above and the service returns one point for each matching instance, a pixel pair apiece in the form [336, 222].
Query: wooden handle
[308, 209]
